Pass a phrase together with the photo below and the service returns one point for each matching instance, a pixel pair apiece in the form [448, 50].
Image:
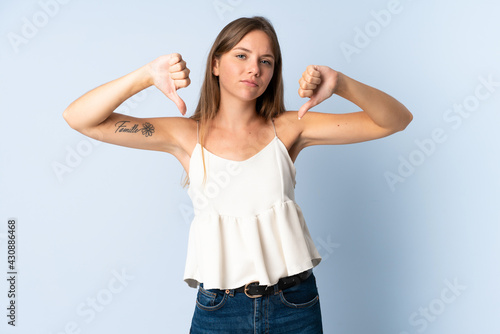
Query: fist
[168, 74]
[318, 83]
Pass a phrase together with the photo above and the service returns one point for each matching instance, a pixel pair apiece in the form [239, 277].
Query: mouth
[249, 83]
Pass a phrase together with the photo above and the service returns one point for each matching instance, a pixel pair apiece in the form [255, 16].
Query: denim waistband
[307, 274]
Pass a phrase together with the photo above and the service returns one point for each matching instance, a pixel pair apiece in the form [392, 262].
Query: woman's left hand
[318, 83]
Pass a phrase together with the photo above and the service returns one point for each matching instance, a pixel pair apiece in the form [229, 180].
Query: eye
[240, 56]
[267, 62]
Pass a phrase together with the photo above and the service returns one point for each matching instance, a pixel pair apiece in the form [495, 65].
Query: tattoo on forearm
[147, 128]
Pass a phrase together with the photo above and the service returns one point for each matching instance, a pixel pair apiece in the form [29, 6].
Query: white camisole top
[247, 226]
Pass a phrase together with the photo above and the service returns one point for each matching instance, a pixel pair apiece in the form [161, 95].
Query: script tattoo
[147, 128]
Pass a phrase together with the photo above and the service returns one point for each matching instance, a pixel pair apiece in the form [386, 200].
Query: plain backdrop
[408, 225]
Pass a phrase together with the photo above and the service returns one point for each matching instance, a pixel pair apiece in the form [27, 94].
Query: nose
[254, 67]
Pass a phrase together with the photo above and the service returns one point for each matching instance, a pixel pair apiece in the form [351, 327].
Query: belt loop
[276, 289]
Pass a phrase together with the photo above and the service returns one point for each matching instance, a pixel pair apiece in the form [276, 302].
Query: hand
[318, 83]
[169, 73]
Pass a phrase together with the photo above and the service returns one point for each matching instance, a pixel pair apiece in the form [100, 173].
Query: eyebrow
[246, 50]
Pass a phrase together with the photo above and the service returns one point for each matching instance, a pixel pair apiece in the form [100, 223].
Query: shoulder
[289, 129]
[288, 119]
[183, 127]
[180, 131]
[177, 127]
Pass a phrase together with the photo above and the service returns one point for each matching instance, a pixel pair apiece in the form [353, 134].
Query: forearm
[383, 109]
[98, 104]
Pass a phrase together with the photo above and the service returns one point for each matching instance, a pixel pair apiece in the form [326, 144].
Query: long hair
[268, 105]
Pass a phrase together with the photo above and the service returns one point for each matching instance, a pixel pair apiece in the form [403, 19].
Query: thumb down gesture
[169, 73]
[317, 83]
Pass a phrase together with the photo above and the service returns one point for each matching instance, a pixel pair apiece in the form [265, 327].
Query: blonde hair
[268, 105]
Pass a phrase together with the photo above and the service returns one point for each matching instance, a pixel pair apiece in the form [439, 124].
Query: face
[245, 71]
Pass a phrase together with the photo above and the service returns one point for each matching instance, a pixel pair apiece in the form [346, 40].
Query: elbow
[69, 119]
[65, 115]
[405, 120]
[408, 119]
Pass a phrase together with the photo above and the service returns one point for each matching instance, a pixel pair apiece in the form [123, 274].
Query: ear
[215, 67]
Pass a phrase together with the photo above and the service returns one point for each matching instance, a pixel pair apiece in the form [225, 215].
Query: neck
[236, 115]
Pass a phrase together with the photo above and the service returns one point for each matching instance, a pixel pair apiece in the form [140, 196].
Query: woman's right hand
[169, 73]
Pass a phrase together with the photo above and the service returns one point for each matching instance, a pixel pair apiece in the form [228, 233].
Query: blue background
[397, 220]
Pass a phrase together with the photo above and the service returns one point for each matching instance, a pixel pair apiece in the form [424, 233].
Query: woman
[250, 253]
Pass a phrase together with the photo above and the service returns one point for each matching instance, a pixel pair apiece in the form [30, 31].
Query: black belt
[255, 291]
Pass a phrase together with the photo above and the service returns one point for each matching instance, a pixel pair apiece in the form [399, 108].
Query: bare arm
[381, 114]
[93, 113]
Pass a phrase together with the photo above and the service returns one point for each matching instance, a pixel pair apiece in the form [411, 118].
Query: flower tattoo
[148, 129]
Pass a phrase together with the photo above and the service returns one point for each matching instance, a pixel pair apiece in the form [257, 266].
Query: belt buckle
[246, 290]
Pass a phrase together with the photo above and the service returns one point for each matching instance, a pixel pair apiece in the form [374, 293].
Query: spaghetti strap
[272, 120]
[197, 136]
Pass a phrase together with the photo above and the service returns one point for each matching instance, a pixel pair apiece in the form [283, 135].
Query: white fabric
[247, 226]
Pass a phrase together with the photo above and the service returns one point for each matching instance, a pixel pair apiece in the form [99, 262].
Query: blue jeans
[294, 310]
